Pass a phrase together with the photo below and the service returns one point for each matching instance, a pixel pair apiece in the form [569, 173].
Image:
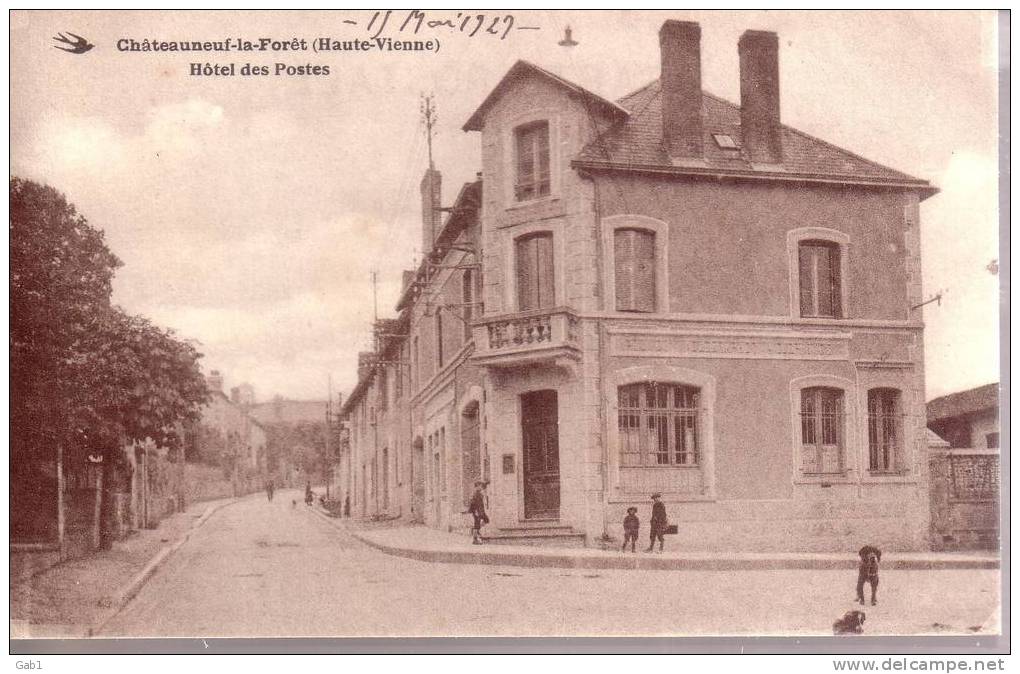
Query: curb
[651, 563]
[119, 600]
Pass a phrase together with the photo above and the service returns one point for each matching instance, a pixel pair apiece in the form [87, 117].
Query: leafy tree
[60, 284]
[302, 443]
[81, 367]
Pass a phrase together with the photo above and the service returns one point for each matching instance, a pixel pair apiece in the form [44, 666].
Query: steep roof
[523, 69]
[636, 144]
[962, 403]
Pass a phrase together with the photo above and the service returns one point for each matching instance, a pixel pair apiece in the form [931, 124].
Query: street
[276, 569]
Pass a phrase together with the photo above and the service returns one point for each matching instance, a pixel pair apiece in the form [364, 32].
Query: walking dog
[868, 572]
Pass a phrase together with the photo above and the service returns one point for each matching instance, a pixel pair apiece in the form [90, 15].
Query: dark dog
[868, 572]
[852, 622]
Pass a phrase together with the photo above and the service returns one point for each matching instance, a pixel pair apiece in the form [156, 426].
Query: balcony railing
[526, 337]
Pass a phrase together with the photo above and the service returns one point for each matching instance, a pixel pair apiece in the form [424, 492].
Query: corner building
[669, 293]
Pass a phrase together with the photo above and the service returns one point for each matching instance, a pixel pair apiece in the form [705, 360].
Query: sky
[250, 212]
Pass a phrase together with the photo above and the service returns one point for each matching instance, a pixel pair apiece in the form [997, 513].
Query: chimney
[759, 96]
[431, 195]
[214, 381]
[680, 83]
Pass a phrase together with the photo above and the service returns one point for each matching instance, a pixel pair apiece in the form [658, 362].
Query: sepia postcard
[458, 323]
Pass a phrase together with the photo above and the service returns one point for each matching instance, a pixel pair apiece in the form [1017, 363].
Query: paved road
[272, 569]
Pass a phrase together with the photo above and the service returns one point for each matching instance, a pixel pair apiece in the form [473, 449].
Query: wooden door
[541, 450]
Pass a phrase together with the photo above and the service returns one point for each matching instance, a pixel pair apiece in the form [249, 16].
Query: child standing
[631, 526]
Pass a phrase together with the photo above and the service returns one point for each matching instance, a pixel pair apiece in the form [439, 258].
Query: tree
[85, 375]
[60, 284]
[302, 443]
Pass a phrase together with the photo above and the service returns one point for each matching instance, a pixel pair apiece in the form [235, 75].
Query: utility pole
[429, 116]
[329, 432]
[375, 310]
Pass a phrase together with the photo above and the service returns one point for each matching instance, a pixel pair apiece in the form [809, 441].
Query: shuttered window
[634, 255]
[532, 148]
[468, 298]
[820, 283]
[535, 287]
[439, 338]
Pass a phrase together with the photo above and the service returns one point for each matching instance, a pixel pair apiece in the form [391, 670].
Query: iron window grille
[659, 424]
[885, 431]
[822, 431]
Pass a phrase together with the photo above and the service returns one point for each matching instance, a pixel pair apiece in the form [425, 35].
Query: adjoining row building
[665, 293]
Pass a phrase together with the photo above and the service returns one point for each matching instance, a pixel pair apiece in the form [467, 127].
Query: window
[439, 338]
[885, 430]
[415, 366]
[468, 298]
[634, 256]
[725, 141]
[384, 394]
[820, 288]
[398, 374]
[821, 423]
[992, 440]
[532, 156]
[658, 424]
[535, 272]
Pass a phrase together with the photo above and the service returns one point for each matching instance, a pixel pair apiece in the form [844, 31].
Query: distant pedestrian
[347, 505]
[631, 526]
[269, 489]
[477, 508]
[309, 496]
[658, 522]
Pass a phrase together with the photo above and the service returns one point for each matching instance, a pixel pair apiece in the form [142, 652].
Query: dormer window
[532, 148]
[725, 141]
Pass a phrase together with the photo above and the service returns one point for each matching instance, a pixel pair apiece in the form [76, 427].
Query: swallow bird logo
[78, 45]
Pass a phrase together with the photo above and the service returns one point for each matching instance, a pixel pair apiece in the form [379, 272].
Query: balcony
[528, 338]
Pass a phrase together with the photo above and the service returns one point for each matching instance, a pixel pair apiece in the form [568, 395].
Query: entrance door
[418, 480]
[540, 437]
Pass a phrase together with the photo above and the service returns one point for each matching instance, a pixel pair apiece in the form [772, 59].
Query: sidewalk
[73, 598]
[430, 545]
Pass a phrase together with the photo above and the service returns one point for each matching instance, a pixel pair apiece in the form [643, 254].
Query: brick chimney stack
[214, 381]
[759, 96]
[431, 195]
[680, 82]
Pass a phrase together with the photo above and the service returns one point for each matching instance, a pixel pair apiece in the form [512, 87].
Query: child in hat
[631, 525]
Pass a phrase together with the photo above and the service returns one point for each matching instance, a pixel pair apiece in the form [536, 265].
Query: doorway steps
[538, 533]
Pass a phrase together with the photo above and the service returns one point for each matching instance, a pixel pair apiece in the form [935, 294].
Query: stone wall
[964, 499]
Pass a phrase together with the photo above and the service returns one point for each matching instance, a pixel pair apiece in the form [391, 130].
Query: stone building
[665, 293]
[967, 419]
[227, 433]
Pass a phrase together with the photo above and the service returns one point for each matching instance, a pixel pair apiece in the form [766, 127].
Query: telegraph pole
[429, 116]
[375, 309]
